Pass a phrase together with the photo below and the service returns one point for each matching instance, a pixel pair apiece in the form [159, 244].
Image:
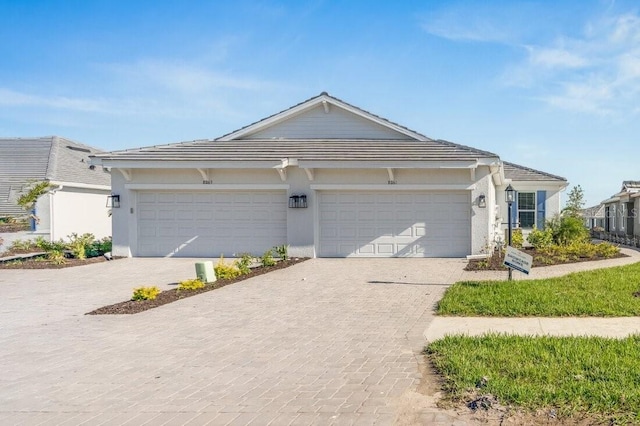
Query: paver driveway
[328, 341]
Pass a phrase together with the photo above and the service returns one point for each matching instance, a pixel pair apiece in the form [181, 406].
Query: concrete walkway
[475, 326]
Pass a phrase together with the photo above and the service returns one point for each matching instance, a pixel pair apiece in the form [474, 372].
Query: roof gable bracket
[309, 173]
[325, 105]
[473, 174]
[127, 173]
[391, 174]
[205, 173]
[283, 174]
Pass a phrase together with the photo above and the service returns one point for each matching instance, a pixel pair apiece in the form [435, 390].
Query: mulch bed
[14, 227]
[42, 262]
[494, 263]
[168, 296]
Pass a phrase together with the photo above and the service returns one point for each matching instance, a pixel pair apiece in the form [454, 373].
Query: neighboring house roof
[517, 172]
[593, 211]
[631, 185]
[50, 158]
[630, 189]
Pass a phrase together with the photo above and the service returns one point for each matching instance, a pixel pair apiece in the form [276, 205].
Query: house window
[527, 209]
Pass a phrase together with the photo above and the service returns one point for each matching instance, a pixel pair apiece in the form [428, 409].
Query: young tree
[575, 202]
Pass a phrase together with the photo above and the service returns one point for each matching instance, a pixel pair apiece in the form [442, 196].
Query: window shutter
[514, 211]
[541, 199]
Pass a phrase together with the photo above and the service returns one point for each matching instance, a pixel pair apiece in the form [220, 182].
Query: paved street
[329, 341]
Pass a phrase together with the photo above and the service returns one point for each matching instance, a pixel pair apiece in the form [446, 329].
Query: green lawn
[602, 292]
[572, 375]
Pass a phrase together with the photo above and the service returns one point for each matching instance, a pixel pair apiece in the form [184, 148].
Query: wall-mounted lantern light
[113, 201]
[298, 202]
[482, 201]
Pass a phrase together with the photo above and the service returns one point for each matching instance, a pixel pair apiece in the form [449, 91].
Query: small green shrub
[226, 271]
[516, 238]
[282, 251]
[78, 244]
[244, 262]
[607, 250]
[56, 257]
[145, 293]
[50, 246]
[567, 229]
[99, 247]
[540, 238]
[267, 258]
[193, 284]
[21, 245]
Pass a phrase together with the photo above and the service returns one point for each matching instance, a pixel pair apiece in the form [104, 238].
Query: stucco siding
[80, 211]
[337, 123]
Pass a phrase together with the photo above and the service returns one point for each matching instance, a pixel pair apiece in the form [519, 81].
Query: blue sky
[548, 84]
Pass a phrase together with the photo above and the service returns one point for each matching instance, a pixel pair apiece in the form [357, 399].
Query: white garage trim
[393, 224]
[393, 187]
[209, 223]
[203, 187]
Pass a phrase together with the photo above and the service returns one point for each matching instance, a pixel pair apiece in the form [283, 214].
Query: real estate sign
[515, 259]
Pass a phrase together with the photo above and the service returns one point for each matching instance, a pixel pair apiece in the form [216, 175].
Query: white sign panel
[515, 259]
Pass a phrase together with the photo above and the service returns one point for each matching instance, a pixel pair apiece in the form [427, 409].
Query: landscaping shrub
[56, 257]
[516, 238]
[145, 293]
[267, 258]
[244, 262]
[540, 239]
[567, 229]
[21, 245]
[226, 271]
[79, 244]
[99, 247]
[282, 251]
[607, 250]
[193, 284]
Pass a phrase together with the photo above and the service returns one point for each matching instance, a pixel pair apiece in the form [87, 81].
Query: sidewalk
[587, 326]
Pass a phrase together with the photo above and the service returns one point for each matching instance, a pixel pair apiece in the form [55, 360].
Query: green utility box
[205, 272]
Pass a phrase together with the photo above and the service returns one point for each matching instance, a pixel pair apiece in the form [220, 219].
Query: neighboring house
[326, 178]
[77, 199]
[622, 210]
[593, 216]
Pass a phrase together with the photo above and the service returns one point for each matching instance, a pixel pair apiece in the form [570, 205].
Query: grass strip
[607, 292]
[572, 375]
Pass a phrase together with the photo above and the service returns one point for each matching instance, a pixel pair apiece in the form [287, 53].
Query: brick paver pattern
[329, 341]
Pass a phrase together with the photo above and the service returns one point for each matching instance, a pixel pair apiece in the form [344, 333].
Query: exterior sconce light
[482, 201]
[113, 201]
[298, 202]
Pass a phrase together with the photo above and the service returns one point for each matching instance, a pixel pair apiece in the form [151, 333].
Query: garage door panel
[394, 224]
[198, 224]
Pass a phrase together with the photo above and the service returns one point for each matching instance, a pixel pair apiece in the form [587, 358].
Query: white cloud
[556, 58]
[10, 97]
[597, 72]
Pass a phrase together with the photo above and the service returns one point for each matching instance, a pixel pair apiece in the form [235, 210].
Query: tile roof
[303, 149]
[46, 158]
[517, 172]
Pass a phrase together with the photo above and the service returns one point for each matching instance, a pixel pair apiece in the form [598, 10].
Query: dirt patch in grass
[168, 296]
[494, 263]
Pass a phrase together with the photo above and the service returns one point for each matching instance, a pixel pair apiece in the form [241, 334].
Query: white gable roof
[309, 120]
